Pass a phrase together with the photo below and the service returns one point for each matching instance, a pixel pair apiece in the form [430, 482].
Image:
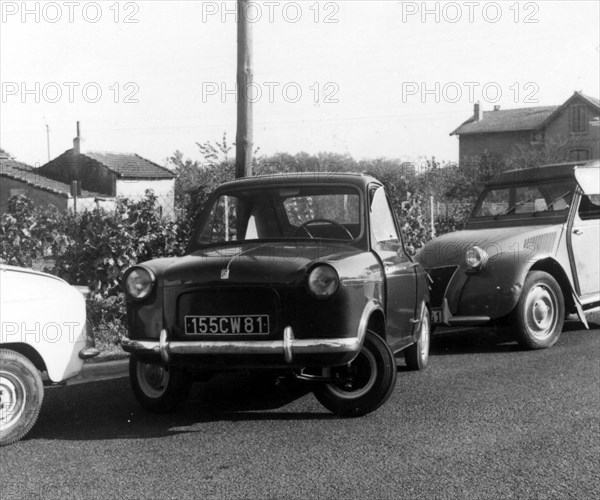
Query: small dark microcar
[302, 275]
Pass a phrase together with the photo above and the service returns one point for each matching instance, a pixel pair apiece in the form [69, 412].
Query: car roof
[292, 178]
[542, 173]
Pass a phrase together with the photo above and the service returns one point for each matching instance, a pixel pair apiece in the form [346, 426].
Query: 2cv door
[585, 234]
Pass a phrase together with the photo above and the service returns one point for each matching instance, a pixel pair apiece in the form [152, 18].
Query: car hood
[249, 263]
[450, 248]
[27, 285]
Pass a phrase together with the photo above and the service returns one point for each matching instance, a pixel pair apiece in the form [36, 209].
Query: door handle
[578, 232]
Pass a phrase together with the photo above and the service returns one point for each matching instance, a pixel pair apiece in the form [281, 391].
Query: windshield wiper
[518, 204]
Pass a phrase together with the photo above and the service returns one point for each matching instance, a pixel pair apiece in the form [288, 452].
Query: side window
[383, 229]
[589, 207]
[228, 221]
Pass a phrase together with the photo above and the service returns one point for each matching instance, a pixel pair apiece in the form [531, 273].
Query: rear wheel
[417, 355]
[21, 396]
[363, 385]
[158, 388]
[540, 312]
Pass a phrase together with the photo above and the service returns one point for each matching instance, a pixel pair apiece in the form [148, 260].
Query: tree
[216, 153]
[555, 150]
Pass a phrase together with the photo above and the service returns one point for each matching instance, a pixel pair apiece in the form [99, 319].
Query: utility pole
[243, 138]
[48, 140]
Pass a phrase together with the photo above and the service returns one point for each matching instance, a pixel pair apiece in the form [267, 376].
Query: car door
[399, 270]
[585, 233]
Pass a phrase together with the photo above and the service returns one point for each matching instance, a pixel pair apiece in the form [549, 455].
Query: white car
[43, 329]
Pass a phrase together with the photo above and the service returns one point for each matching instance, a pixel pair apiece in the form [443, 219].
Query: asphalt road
[485, 420]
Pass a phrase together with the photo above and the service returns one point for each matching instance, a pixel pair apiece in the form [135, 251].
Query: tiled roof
[16, 170]
[507, 120]
[130, 166]
[514, 120]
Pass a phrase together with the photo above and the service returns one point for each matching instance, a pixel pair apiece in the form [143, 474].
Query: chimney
[477, 112]
[497, 108]
[77, 142]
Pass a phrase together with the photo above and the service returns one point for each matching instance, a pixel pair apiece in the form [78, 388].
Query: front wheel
[21, 396]
[417, 355]
[158, 388]
[363, 385]
[540, 312]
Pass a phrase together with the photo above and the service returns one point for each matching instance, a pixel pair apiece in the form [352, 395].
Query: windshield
[525, 199]
[314, 212]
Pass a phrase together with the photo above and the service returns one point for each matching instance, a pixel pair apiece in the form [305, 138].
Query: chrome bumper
[288, 347]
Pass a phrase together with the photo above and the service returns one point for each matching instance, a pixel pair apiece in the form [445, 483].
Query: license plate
[437, 316]
[227, 325]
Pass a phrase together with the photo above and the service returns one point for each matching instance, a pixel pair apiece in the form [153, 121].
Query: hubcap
[12, 399]
[357, 378]
[153, 379]
[541, 311]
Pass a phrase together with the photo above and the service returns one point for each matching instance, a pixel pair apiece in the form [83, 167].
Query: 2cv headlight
[476, 258]
[138, 282]
[323, 281]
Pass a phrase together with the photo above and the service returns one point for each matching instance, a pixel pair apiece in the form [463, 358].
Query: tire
[540, 312]
[158, 388]
[417, 355]
[369, 380]
[21, 396]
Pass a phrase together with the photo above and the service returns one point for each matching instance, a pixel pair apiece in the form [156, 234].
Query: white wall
[91, 203]
[164, 189]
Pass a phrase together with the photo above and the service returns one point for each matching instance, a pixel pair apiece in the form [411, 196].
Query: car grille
[440, 276]
[229, 301]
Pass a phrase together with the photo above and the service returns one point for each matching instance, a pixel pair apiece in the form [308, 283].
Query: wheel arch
[554, 269]
[29, 352]
[376, 323]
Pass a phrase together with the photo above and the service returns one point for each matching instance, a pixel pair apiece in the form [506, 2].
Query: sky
[367, 78]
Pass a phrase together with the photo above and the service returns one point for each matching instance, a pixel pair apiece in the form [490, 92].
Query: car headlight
[138, 282]
[323, 281]
[476, 258]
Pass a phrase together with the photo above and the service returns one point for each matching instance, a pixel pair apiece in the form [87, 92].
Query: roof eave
[564, 105]
[34, 185]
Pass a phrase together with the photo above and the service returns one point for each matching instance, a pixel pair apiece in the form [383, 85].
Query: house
[114, 175]
[19, 178]
[570, 127]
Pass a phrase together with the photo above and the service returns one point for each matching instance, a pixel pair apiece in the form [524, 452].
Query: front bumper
[289, 351]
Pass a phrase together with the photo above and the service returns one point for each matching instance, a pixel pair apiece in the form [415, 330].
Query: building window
[578, 119]
[537, 138]
[579, 154]
[17, 192]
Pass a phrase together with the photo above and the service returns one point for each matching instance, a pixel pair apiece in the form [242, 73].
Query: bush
[92, 248]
